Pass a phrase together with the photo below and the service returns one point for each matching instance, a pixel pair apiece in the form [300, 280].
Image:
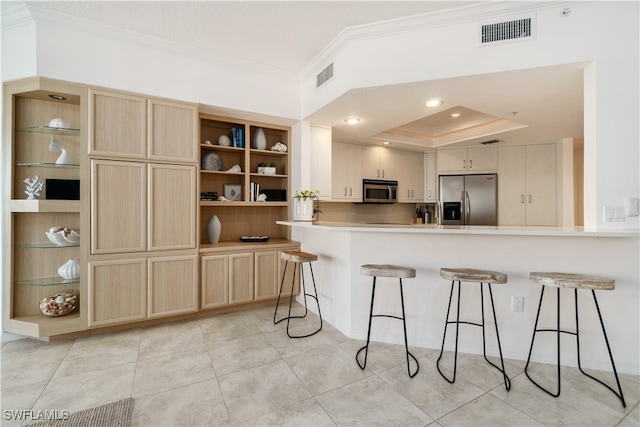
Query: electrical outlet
[517, 304]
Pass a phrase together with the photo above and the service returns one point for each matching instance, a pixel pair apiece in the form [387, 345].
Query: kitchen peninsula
[345, 294]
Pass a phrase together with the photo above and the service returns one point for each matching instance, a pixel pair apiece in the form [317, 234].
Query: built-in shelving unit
[244, 216]
[32, 260]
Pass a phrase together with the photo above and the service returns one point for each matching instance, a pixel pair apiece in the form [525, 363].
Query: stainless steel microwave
[379, 191]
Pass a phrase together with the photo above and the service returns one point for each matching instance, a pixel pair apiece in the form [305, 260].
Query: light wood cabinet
[124, 125]
[346, 174]
[243, 277]
[117, 125]
[117, 291]
[411, 176]
[173, 285]
[379, 163]
[173, 128]
[467, 160]
[118, 207]
[134, 289]
[432, 178]
[172, 212]
[527, 185]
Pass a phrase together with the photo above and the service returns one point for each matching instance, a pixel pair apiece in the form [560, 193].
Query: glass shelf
[47, 281]
[50, 130]
[44, 246]
[49, 165]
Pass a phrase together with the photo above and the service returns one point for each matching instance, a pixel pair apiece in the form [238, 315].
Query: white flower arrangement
[307, 194]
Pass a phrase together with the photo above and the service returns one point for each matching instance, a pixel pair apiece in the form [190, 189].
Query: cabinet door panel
[117, 291]
[266, 275]
[452, 160]
[173, 285]
[117, 125]
[432, 178]
[118, 207]
[173, 128]
[541, 184]
[172, 208]
[214, 281]
[371, 168]
[240, 278]
[482, 159]
[511, 185]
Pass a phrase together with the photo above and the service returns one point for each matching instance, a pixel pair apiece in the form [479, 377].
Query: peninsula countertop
[383, 227]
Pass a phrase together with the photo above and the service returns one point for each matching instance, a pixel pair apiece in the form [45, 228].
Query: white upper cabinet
[378, 163]
[346, 180]
[467, 160]
[431, 192]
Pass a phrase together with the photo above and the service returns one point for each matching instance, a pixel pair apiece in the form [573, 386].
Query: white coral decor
[34, 187]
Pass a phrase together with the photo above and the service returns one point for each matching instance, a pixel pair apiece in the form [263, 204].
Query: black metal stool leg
[304, 294]
[606, 340]
[366, 347]
[507, 381]
[406, 343]
[557, 331]
[444, 335]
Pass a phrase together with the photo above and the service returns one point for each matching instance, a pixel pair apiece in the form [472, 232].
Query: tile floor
[240, 369]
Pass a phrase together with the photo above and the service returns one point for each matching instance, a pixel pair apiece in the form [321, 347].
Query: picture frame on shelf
[233, 192]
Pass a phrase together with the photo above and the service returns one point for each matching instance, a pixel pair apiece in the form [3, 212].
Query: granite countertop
[469, 229]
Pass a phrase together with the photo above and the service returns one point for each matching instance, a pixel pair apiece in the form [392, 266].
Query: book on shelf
[237, 137]
[254, 192]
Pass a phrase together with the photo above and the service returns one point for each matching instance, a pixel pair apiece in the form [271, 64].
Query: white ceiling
[289, 34]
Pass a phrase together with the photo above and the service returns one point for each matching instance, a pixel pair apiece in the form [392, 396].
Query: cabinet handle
[464, 164]
[345, 191]
[529, 198]
[408, 193]
[382, 172]
[429, 193]
[412, 194]
[350, 191]
[470, 164]
[522, 199]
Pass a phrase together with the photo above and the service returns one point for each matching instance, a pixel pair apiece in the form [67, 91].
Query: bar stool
[478, 276]
[574, 281]
[387, 271]
[299, 258]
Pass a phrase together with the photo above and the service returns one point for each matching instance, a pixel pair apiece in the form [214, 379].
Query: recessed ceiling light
[386, 143]
[57, 97]
[455, 115]
[352, 120]
[434, 103]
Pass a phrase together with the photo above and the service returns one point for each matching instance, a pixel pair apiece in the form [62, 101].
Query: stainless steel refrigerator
[469, 199]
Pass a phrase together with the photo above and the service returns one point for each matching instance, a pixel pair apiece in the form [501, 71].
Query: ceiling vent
[324, 76]
[507, 32]
[491, 141]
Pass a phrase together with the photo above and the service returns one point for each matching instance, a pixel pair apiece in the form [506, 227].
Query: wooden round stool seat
[569, 280]
[387, 270]
[472, 275]
[298, 256]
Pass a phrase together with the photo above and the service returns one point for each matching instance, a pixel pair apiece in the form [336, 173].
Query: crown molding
[26, 14]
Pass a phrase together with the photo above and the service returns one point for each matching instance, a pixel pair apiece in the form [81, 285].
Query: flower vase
[214, 228]
[260, 140]
[70, 270]
[303, 208]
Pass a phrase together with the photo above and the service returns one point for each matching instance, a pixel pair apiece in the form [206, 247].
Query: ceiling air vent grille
[508, 31]
[324, 76]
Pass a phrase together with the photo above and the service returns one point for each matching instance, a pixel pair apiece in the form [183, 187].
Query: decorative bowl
[59, 304]
[61, 238]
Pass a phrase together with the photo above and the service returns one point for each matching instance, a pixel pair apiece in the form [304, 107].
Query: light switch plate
[632, 206]
[613, 213]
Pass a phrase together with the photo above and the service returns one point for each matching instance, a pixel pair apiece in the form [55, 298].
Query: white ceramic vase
[70, 270]
[260, 139]
[214, 228]
[303, 208]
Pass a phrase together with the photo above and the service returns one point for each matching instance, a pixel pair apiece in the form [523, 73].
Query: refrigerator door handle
[462, 218]
[468, 205]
